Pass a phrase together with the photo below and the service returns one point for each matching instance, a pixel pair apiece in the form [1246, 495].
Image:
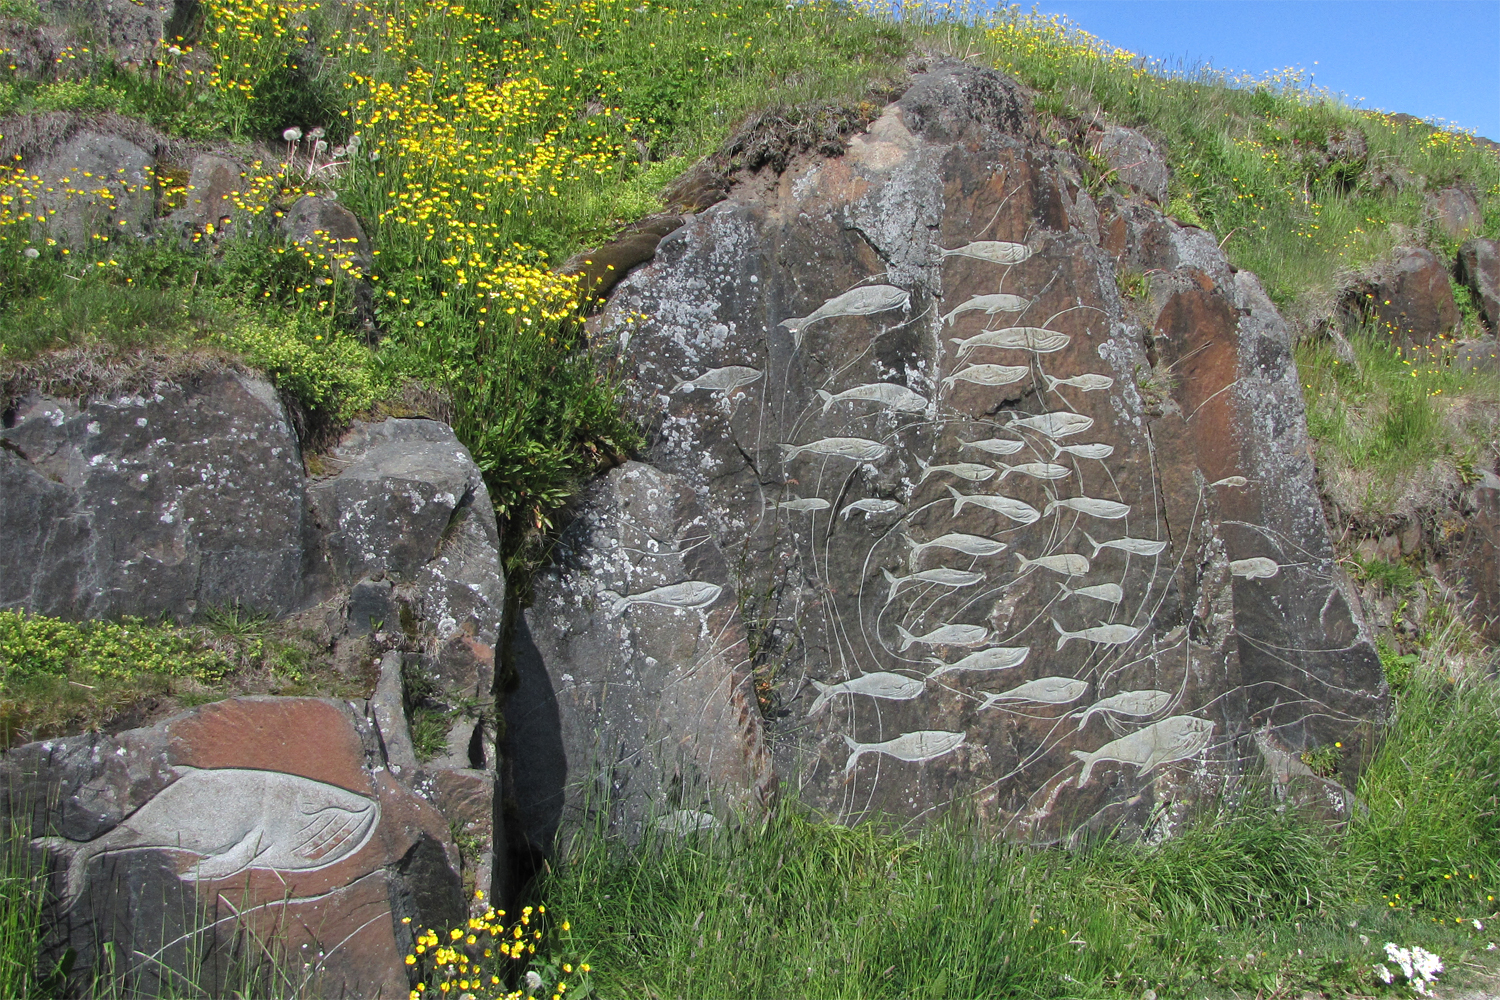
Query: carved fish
[235, 819]
[971, 471]
[1110, 593]
[1135, 546]
[720, 379]
[805, 505]
[1088, 382]
[897, 397]
[859, 449]
[990, 304]
[1043, 691]
[946, 635]
[1055, 425]
[941, 576]
[916, 748]
[1066, 563]
[1257, 568]
[994, 251]
[1105, 635]
[1035, 339]
[996, 446]
[1163, 742]
[892, 687]
[692, 594]
[1037, 470]
[1106, 509]
[994, 658]
[864, 301]
[1132, 703]
[969, 545]
[988, 375]
[1230, 481]
[870, 505]
[1099, 451]
[1016, 510]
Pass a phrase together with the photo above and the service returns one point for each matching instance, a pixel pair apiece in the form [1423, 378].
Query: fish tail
[847, 511]
[790, 451]
[1096, 545]
[1008, 470]
[1088, 766]
[617, 603]
[78, 856]
[1024, 561]
[794, 324]
[895, 582]
[925, 470]
[1051, 384]
[855, 750]
[906, 638]
[1062, 637]
[1067, 591]
[1056, 449]
[827, 398]
[824, 693]
[958, 500]
[911, 542]
[948, 319]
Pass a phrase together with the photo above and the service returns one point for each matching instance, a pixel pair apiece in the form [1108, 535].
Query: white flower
[316, 133]
[533, 981]
[32, 253]
[319, 146]
[292, 134]
[1477, 925]
[1384, 974]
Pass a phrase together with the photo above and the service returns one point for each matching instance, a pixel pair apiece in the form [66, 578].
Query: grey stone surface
[1408, 298]
[634, 702]
[152, 505]
[323, 225]
[1456, 211]
[127, 30]
[214, 186]
[1135, 161]
[96, 185]
[406, 504]
[1145, 537]
[1479, 269]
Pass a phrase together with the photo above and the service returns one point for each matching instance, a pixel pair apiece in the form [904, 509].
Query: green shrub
[327, 372]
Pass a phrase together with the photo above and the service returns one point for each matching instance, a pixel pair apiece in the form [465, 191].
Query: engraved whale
[235, 819]
[1163, 742]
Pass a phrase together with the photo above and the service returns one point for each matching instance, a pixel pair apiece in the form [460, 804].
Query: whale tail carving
[1088, 766]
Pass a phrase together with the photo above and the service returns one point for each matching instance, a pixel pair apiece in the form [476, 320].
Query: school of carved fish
[865, 301]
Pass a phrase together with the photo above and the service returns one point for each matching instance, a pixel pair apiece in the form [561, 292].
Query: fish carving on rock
[864, 301]
[234, 819]
[1177, 738]
[680, 596]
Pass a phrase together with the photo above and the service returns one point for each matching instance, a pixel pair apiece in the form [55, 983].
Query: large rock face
[250, 824]
[1001, 537]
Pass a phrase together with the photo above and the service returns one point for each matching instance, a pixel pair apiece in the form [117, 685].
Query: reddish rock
[1135, 162]
[1479, 269]
[272, 819]
[1456, 211]
[1478, 557]
[1409, 299]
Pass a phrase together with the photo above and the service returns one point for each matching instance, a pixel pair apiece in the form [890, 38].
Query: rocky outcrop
[1408, 298]
[997, 535]
[633, 702]
[245, 829]
[1456, 211]
[94, 185]
[1479, 271]
[1134, 162]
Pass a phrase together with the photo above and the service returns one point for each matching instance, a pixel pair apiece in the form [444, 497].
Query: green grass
[1246, 899]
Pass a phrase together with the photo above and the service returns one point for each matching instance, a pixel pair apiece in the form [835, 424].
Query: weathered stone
[1135, 162]
[322, 225]
[214, 188]
[1409, 298]
[633, 702]
[407, 504]
[1479, 269]
[266, 817]
[1165, 559]
[388, 710]
[1478, 355]
[1478, 557]
[94, 186]
[127, 30]
[1456, 211]
[600, 270]
[152, 505]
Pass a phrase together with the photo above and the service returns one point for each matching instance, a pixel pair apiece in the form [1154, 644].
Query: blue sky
[1429, 58]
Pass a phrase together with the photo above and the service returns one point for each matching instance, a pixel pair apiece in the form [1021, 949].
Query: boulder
[1456, 211]
[1476, 556]
[633, 703]
[127, 30]
[152, 505]
[246, 827]
[212, 207]
[1135, 162]
[1479, 270]
[94, 186]
[320, 225]
[999, 538]
[1408, 298]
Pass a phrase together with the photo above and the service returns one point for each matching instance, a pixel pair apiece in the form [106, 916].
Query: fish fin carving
[78, 855]
[1062, 637]
[230, 862]
[823, 695]
[906, 638]
[827, 398]
[1097, 546]
[617, 604]
[895, 582]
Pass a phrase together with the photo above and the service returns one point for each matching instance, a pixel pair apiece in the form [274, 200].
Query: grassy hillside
[482, 144]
